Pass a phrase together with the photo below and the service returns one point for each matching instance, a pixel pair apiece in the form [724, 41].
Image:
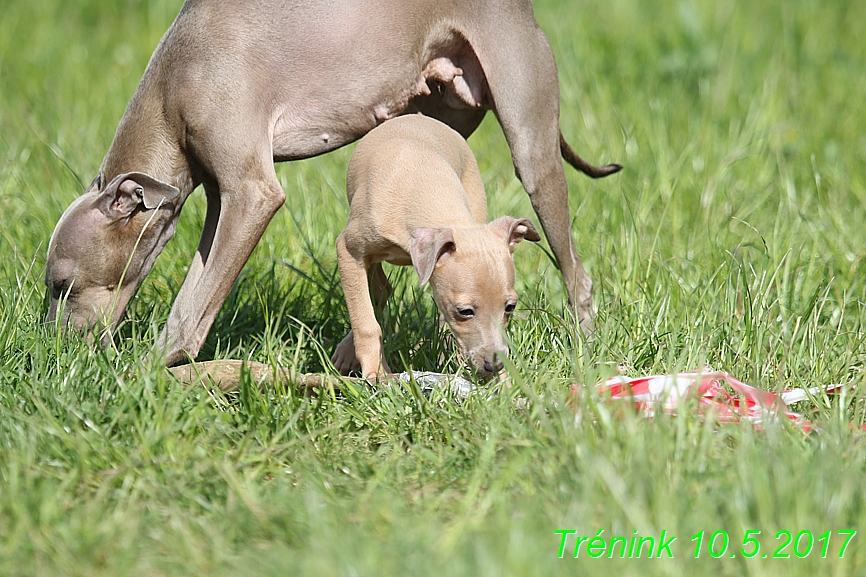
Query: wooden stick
[226, 374]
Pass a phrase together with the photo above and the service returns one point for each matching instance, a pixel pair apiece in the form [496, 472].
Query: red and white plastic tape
[718, 393]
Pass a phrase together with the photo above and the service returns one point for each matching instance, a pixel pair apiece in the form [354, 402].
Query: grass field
[733, 238]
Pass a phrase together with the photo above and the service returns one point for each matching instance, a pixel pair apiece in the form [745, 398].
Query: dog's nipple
[380, 111]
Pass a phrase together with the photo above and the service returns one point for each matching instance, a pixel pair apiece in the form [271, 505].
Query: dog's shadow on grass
[298, 316]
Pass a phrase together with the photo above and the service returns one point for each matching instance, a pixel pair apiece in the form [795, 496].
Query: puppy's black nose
[493, 368]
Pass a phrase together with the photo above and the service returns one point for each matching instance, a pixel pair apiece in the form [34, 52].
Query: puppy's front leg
[366, 334]
[380, 291]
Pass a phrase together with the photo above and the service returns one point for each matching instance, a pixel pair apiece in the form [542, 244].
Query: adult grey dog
[235, 86]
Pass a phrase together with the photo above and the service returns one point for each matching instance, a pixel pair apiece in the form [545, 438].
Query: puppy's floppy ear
[429, 247]
[126, 192]
[514, 230]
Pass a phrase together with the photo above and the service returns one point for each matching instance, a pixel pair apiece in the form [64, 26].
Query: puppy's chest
[392, 254]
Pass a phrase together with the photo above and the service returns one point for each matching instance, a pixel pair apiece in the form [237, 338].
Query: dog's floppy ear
[428, 247]
[514, 230]
[127, 191]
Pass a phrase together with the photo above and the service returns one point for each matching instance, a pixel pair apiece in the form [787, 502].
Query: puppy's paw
[383, 371]
[344, 358]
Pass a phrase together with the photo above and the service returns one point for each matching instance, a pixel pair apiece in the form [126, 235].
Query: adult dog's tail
[574, 160]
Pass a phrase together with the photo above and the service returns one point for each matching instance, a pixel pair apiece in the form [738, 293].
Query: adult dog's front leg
[236, 219]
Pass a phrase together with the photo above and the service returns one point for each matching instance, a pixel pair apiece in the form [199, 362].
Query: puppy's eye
[465, 313]
[509, 308]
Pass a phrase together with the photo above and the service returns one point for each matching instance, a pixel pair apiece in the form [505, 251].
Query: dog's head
[102, 248]
[471, 272]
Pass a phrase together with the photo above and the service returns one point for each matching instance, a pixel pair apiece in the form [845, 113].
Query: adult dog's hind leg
[524, 86]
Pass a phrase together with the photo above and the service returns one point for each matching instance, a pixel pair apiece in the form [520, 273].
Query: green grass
[734, 238]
